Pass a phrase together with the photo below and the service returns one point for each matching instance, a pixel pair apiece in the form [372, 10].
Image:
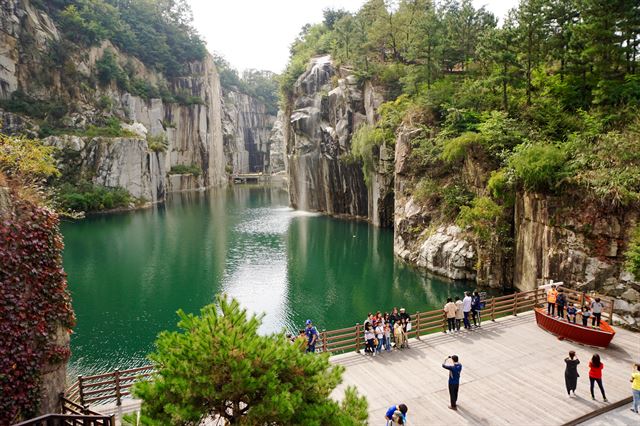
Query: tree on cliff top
[218, 365]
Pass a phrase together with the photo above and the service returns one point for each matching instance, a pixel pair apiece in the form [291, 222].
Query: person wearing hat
[312, 336]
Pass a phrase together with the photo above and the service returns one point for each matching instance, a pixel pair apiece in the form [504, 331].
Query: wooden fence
[109, 387]
[352, 338]
[72, 414]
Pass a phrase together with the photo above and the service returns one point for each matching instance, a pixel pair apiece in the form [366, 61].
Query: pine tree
[218, 365]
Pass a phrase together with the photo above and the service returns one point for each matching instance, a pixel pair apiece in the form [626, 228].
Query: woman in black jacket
[571, 373]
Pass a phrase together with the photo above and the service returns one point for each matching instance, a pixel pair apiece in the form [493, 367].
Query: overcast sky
[257, 33]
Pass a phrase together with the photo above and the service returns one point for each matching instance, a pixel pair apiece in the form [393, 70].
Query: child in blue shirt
[397, 414]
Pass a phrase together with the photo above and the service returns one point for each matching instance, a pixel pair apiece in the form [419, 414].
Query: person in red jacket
[595, 375]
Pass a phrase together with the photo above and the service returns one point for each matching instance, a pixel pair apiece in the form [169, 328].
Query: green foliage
[105, 103]
[427, 191]
[312, 40]
[261, 85]
[449, 198]
[184, 98]
[110, 128]
[27, 160]
[454, 197]
[633, 253]
[365, 140]
[109, 70]
[87, 197]
[184, 169]
[157, 143]
[34, 303]
[539, 167]
[455, 149]
[144, 89]
[426, 153]
[21, 103]
[160, 34]
[607, 163]
[500, 186]
[501, 133]
[482, 218]
[218, 364]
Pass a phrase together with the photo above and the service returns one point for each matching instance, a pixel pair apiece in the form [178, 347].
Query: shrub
[144, 89]
[363, 142]
[109, 70]
[87, 197]
[109, 128]
[500, 133]
[21, 103]
[482, 218]
[454, 197]
[184, 98]
[157, 143]
[427, 191]
[455, 149]
[607, 165]
[26, 159]
[184, 169]
[500, 186]
[539, 167]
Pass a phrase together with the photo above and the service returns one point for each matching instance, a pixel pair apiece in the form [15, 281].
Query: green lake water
[130, 272]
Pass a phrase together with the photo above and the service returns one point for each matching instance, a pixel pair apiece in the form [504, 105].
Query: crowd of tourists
[462, 312]
[557, 302]
[382, 331]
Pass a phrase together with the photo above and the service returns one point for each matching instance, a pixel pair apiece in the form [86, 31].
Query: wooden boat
[600, 337]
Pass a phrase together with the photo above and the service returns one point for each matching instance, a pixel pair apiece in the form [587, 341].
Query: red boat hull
[600, 337]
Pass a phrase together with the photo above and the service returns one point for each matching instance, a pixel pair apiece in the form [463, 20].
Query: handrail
[116, 384]
[85, 420]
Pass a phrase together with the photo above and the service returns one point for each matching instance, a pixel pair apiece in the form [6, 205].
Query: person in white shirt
[466, 308]
[459, 313]
[596, 312]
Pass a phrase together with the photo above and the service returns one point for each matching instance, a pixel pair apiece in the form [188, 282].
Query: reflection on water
[130, 272]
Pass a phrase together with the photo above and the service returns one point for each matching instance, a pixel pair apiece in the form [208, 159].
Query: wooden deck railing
[72, 414]
[109, 387]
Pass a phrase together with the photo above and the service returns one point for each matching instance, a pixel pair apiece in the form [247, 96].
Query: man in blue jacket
[454, 368]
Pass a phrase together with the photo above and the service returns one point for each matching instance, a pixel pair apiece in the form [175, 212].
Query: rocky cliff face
[191, 131]
[581, 246]
[116, 162]
[418, 237]
[247, 130]
[277, 145]
[565, 238]
[327, 106]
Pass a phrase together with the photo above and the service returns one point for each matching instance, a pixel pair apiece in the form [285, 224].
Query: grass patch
[87, 197]
[184, 169]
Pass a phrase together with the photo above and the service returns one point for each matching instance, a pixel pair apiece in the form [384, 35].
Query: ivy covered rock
[35, 310]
